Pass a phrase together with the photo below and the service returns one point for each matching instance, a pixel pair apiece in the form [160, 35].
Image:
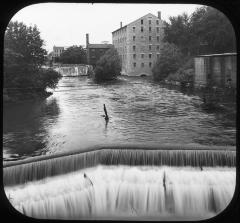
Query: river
[140, 111]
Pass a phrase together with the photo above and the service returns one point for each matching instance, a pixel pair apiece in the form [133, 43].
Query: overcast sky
[66, 24]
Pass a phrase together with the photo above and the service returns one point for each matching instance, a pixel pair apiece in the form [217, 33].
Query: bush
[23, 58]
[73, 55]
[108, 67]
[184, 74]
[168, 62]
[48, 78]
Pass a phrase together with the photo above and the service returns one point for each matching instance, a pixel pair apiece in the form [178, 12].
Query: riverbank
[22, 95]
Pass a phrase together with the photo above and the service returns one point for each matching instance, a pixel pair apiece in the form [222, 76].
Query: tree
[73, 55]
[23, 58]
[206, 30]
[26, 42]
[215, 30]
[108, 67]
[168, 62]
[177, 32]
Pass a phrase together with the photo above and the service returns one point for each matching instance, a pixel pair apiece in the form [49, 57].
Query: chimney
[159, 15]
[87, 39]
[120, 24]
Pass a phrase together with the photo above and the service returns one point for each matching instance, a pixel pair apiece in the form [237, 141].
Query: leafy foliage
[168, 62]
[26, 43]
[23, 59]
[206, 30]
[73, 55]
[108, 67]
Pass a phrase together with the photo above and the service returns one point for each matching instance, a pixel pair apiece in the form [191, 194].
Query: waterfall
[127, 192]
[39, 168]
[73, 70]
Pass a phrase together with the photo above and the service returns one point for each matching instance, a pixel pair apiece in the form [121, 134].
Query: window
[158, 38]
[150, 64]
[134, 56]
[150, 29]
[134, 28]
[157, 47]
[141, 29]
[134, 48]
[141, 21]
[150, 47]
[157, 29]
[150, 55]
[157, 22]
[158, 55]
[150, 38]
[142, 55]
[134, 64]
[134, 37]
[149, 22]
[142, 65]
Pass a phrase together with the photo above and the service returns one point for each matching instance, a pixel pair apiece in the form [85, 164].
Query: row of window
[149, 47]
[142, 55]
[100, 50]
[149, 29]
[142, 64]
[149, 38]
[150, 22]
[134, 28]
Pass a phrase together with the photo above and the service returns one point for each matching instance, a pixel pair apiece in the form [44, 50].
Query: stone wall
[217, 70]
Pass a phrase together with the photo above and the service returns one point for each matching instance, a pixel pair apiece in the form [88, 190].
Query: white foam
[127, 193]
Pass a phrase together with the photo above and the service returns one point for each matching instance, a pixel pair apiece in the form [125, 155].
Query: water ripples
[139, 109]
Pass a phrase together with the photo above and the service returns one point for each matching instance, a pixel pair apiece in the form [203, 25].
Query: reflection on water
[139, 110]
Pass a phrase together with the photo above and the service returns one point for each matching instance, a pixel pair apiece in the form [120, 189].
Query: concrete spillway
[122, 183]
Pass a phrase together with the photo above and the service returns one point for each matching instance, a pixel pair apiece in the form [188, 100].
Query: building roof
[120, 28]
[100, 45]
[149, 14]
[217, 55]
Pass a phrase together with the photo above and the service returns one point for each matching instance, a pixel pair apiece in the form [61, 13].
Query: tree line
[205, 31]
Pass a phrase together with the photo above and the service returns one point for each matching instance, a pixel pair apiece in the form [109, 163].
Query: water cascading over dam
[73, 70]
[124, 182]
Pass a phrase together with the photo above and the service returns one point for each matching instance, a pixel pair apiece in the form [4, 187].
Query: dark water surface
[139, 109]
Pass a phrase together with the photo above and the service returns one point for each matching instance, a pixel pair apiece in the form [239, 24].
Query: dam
[124, 182]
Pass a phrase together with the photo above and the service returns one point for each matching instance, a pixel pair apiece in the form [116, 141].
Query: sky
[66, 24]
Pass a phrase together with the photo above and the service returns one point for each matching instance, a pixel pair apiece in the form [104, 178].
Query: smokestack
[87, 39]
[159, 15]
[120, 24]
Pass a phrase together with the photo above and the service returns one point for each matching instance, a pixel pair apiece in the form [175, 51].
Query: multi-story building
[57, 51]
[139, 44]
[95, 51]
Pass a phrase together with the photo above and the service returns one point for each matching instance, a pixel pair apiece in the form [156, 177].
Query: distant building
[139, 44]
[95, 51]
[215, 69]
[57, 51]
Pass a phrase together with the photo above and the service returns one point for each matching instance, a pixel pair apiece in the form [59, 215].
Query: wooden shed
[216, 69]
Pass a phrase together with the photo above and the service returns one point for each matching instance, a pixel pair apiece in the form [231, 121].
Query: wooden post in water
[105, 110]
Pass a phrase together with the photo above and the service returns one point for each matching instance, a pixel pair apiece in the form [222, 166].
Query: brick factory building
[139, 44]
[95, 51]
